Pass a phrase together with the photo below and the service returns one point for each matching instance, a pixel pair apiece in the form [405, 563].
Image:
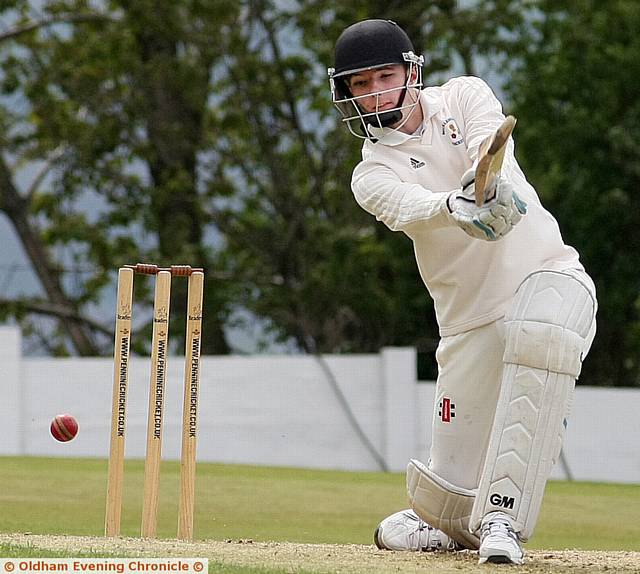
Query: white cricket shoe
[499, 543]
[405, 530]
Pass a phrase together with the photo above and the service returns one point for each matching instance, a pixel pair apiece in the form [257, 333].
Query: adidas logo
[417, 164]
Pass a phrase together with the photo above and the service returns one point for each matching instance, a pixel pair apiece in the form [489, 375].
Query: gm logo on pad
[500, 500]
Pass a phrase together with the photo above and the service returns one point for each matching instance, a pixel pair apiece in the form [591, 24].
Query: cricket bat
[490, 157]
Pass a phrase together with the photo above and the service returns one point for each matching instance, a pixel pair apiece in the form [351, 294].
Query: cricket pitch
[332, 558]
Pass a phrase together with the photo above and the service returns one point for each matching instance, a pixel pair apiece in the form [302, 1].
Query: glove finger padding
[498, 223]
[492, 220]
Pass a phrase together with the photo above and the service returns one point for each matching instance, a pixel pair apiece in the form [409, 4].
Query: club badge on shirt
[451, 131]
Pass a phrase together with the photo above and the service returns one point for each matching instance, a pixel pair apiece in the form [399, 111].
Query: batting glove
[493, 219]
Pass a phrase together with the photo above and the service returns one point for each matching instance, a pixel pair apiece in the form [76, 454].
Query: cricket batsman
[515, 308]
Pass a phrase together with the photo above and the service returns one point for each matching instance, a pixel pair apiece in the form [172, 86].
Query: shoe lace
[500, 528]
[430, 538]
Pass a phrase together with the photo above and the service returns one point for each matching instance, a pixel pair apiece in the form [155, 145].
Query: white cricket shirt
[404, 180]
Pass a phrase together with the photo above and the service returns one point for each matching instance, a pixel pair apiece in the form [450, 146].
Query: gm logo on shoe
[500, 500]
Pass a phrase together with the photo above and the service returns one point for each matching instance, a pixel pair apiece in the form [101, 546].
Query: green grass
[590, 516]
[67, 496]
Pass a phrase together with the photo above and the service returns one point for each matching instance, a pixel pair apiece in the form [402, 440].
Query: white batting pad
[547, 331]
[441, 504]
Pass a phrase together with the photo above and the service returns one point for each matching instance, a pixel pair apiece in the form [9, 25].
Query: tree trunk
[17, 210]
[174, 126]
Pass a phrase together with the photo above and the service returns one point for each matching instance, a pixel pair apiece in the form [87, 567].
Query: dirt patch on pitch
[334, 558]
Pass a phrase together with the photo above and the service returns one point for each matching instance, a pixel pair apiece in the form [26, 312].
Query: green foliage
[118, 100]
[576, 91]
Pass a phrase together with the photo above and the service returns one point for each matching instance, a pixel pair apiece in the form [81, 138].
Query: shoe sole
[498, 559]
[377, 541]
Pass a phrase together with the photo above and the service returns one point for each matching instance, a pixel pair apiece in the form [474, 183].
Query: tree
[17, 206]
[115, 106]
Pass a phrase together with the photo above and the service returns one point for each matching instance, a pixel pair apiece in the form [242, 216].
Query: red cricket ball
[64, 427]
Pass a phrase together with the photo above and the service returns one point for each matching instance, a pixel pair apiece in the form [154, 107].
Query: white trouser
[469, 373]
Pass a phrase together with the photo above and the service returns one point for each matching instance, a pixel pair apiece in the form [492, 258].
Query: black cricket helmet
[368, 45]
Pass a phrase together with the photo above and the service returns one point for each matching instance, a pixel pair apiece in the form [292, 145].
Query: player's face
[367, 85]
